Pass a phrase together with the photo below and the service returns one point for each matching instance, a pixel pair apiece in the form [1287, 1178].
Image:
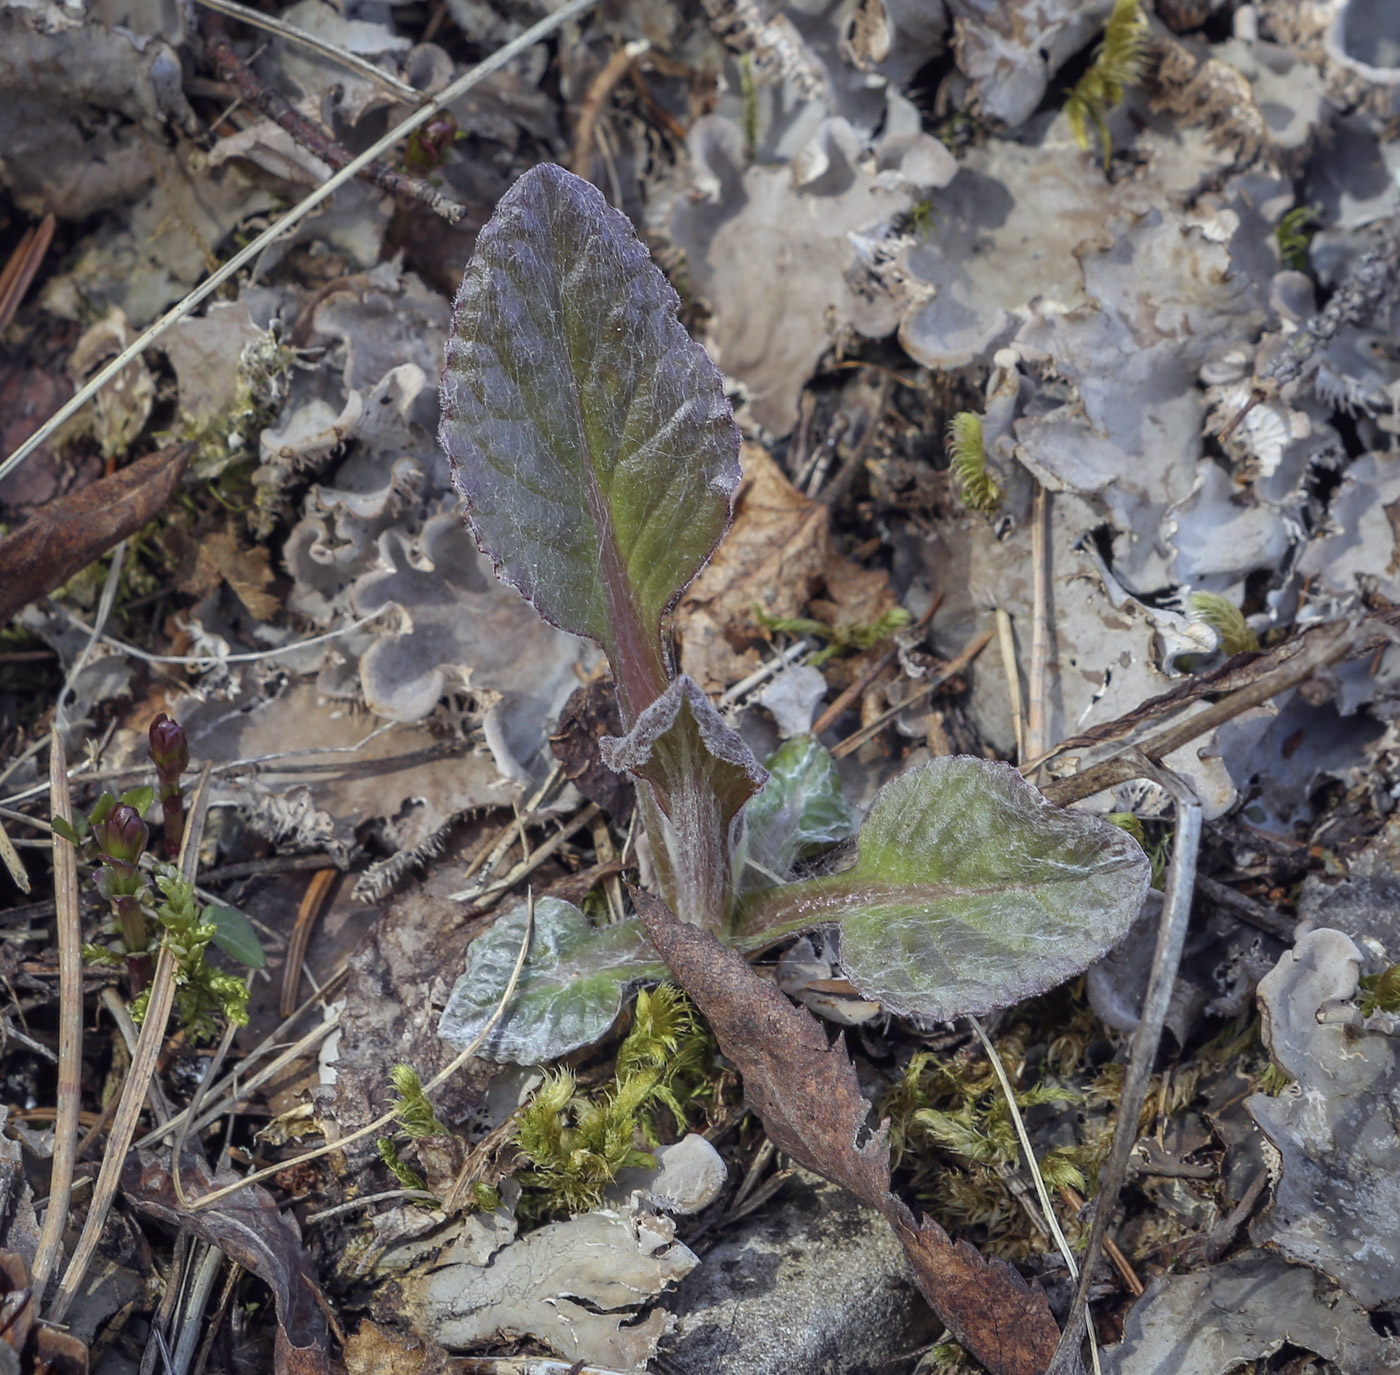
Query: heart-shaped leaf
[589, 434]
[970, 892]
[570, 990]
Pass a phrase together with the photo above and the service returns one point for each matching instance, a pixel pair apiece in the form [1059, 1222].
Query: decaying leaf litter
[1176, 344]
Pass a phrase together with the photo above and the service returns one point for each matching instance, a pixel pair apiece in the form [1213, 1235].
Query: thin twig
[314, 139]
[848, 695]
[590, 109]
[104, 610]
[1037, 731]
[488, 857]
[450, 94]
[387, 1119]
[1142, 1054]
[258, 20]
[70, 1031]
[1122, 768]
[950, 670]
[228, 1097]
[532, 860]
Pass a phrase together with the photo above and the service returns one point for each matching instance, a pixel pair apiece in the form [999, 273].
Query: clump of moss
[229, 439]
[578, 1142]
[840, 639]
[1226, 619]
[951, 1126]
[1117, 64]
[967, 461]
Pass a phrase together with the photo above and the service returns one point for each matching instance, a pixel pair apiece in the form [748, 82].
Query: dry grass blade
[388, 1118]
[955, 666]
[447, 96]
[9, 856]
[70, 1029]
[1142, 1053]
[18, 272]
[143, 1065]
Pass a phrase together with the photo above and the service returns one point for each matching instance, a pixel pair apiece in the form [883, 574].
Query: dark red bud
[121, 834]
[170, 751]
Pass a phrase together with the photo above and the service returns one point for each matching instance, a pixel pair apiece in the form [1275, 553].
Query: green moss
[840, 639]
[967, 461]
[578, 1142]
[1380, 992]
[1117, 64]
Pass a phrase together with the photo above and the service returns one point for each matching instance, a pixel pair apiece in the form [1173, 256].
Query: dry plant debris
[1176, 350]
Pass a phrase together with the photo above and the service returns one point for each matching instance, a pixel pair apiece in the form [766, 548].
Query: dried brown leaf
[778, 554]
[67, 534]
[248, 572]
[248, 1228]
[590, 713]
[807, 1094]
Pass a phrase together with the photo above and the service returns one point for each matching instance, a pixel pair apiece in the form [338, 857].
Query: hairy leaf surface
[970, 893]
[570, 990]
[588, 433]
[800, 807]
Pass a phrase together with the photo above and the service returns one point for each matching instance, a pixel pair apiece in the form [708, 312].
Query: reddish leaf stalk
[170, 753]
[121, 840]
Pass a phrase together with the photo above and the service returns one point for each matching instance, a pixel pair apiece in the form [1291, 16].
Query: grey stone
[817, 1282]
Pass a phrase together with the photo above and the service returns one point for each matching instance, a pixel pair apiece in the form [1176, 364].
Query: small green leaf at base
[235, 936]
[570, 990]
[800, 808]
[970, 893]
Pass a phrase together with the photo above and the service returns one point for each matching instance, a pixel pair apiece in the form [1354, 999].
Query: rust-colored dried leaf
[806, 1092]
[64, 536]
[778, 554]
[249, 1229]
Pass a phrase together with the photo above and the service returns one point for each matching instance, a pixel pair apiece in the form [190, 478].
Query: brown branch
[311, 137]
[591, 108]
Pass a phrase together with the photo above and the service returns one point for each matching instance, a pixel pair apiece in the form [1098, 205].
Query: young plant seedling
[598, 458]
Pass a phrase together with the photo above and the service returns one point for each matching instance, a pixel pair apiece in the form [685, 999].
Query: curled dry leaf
[806, 1092]
[249, 1228]
[778, 554]
[67, 534]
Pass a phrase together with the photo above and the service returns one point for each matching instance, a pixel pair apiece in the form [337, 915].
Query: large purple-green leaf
[588, 433]
[570, 990]
[700, 774]
[970, 892]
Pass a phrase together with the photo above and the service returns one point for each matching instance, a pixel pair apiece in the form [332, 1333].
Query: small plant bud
[170, 751]
[121, 835]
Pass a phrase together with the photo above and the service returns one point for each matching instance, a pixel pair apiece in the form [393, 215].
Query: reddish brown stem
[281, 111]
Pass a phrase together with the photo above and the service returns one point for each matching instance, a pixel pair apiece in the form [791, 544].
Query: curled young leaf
[588, 433]
[570, 990]
[701, 773]
[970, 892]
